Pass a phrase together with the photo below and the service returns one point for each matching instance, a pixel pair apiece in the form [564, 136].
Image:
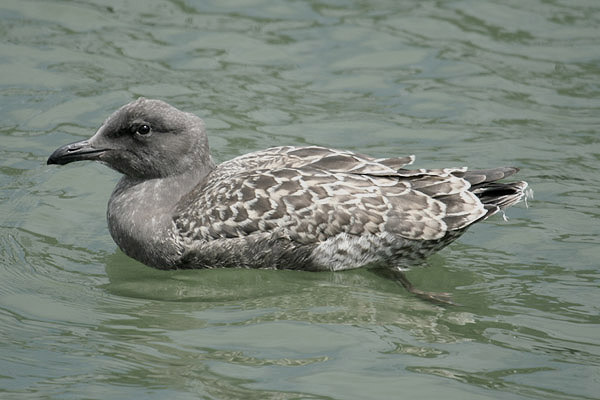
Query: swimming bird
[308, 208]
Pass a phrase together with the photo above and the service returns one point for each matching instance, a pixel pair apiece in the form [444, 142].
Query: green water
[476, 83]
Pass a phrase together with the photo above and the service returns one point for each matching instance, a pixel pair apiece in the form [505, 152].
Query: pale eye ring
[143, 130]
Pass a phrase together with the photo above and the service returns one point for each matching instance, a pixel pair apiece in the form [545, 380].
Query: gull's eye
[143, 130]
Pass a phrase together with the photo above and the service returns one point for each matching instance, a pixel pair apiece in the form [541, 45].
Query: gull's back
[316, 208]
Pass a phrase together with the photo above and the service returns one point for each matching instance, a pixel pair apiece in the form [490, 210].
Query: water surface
[475, 83]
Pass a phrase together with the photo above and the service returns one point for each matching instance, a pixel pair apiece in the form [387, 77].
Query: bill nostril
[77, 146]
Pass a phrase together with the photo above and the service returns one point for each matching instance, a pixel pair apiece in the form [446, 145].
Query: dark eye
[143, 129]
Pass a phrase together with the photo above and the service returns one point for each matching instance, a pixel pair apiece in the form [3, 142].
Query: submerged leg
[399, 276]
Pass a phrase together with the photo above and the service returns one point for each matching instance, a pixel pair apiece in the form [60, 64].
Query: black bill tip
[77, 151]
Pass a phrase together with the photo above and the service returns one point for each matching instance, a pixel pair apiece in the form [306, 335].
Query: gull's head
[144, 139]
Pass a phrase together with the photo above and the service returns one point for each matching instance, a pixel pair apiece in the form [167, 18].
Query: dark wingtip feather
[481, 176]
[498, 196]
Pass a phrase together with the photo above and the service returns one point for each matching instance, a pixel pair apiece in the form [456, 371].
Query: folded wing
[309, 194]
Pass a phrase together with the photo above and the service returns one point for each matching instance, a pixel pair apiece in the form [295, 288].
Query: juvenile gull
[310, 208]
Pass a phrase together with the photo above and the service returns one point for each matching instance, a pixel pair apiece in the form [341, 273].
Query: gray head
[144, 139]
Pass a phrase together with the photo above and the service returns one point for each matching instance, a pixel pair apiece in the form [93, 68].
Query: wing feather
[312, 193]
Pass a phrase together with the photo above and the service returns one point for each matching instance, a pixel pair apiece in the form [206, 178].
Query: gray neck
[140, 216]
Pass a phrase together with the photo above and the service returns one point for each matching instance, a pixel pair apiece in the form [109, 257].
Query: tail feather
[494, 195]
[501, 195]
